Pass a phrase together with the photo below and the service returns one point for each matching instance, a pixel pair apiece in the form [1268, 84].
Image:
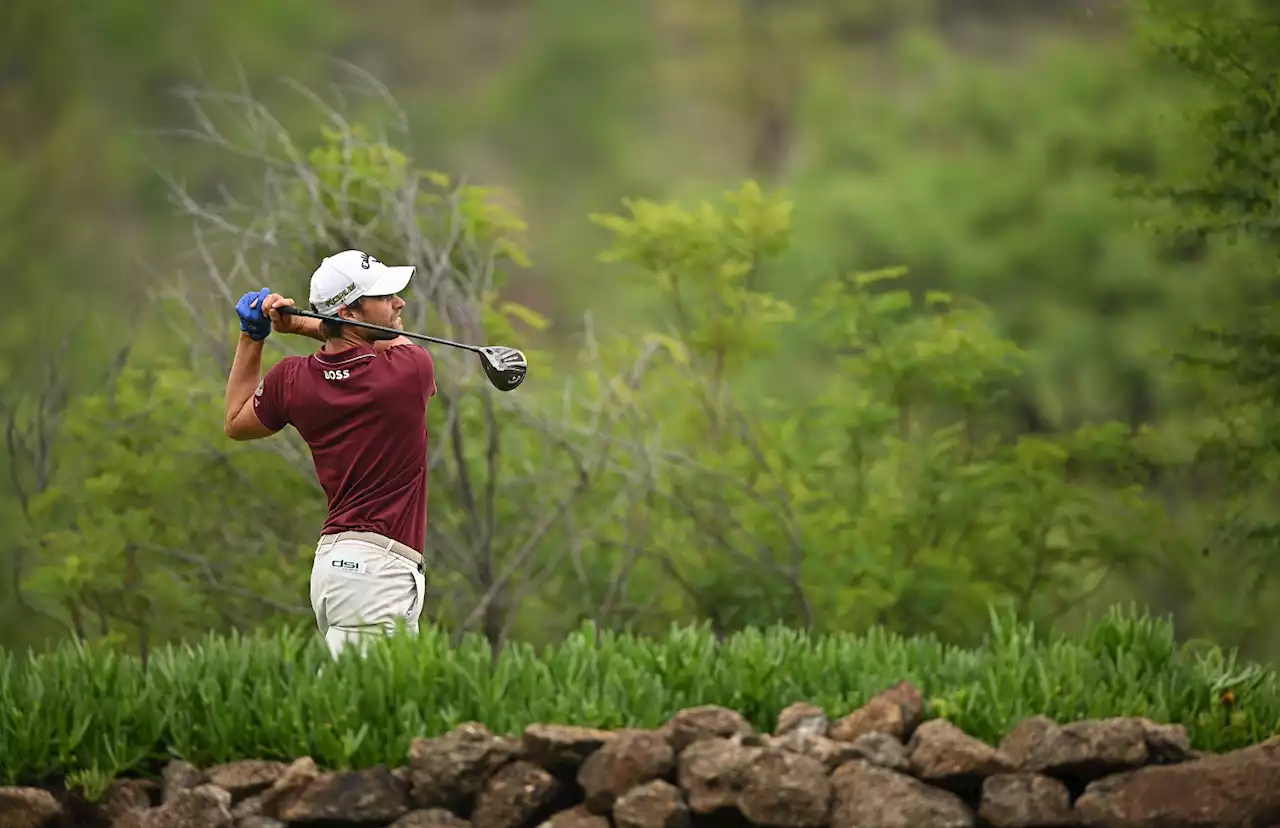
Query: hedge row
[80, 709]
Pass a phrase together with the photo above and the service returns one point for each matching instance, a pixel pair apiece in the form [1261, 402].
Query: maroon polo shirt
[363, 415]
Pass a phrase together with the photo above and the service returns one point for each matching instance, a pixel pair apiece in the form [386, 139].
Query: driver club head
[505, 367]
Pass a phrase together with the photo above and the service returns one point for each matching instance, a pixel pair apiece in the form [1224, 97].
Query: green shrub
[90, 712]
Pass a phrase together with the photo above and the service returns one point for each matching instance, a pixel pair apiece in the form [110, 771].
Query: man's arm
[300, 325]
[310, 328]
[241, 421]
[306, 326]
[258, 315]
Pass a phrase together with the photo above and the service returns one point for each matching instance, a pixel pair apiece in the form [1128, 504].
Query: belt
[395, 547]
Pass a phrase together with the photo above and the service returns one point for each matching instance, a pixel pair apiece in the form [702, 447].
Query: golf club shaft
[289, 311]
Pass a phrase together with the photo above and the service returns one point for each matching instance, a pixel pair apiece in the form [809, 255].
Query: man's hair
[333, 330]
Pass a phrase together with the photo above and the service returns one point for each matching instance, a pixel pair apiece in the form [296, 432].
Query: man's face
[379, 310]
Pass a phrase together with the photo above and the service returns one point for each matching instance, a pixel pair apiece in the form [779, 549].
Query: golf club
[505, 367]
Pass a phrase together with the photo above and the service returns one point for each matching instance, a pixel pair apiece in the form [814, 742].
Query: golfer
[360, 403]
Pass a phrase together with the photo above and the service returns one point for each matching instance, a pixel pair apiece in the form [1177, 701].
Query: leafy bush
[156, 530]
[899, 493]
[88, 710]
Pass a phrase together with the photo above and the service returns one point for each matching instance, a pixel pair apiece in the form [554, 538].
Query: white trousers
[364, 585]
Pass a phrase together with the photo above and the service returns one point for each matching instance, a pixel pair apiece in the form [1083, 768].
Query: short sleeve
[270, 401]
[427, 370]
[412, 362]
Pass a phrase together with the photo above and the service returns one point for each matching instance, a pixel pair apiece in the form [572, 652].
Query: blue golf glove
[252, 320]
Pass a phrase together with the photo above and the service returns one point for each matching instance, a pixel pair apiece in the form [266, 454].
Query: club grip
[289, 310]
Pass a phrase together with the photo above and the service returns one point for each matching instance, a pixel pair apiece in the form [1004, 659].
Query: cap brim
[393, 280]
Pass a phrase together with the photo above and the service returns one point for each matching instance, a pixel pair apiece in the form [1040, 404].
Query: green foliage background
[840, 314]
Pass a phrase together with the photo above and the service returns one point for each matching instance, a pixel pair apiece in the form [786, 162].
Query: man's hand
[252, 320]
[280, 323]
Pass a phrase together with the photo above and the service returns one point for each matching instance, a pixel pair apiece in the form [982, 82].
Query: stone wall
[880, 766]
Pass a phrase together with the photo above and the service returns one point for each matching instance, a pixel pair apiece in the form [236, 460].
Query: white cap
[344, 277]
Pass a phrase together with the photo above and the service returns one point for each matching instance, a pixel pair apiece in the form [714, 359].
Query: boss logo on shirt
[336, 374]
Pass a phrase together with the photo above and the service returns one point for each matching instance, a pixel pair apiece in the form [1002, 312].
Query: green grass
[92, 713]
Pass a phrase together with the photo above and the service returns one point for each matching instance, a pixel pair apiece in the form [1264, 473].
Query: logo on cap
[337, 298]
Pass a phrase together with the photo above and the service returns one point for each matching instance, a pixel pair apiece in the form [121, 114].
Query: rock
[864, 795]
[707, 721]
[258, 821]
[631, 758]
[1167, 744]
[178, 776]
[876, 747]
[786, 790]
[1025, 800]
[125, 795]
[802, 717]
[28, 807]
[911, 700]
[877, 715]
[1240, 788]
[1083, 750]
[712, 773]
[944, 755]
[246, 778]
[880, 749]
[247, 807]
[366, 795]
[897, 711]
[562, 749]
[430, 818]
[1031, 741]
[448, 771]
[202, 806]
[577, 817]
[289, 786]
[655, 804]
[829, 752]
[513, 796]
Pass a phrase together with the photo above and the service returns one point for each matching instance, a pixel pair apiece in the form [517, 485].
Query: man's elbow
[241, 433]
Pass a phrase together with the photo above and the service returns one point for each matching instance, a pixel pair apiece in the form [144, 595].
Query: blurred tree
[1002, 185]
[898, 495]
[578, 92]
[1227, 189]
